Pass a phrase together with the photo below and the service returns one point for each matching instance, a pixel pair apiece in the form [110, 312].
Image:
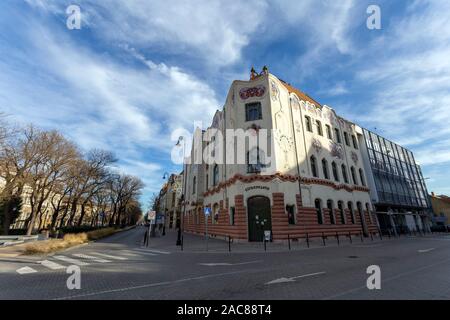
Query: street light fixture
[178, 144]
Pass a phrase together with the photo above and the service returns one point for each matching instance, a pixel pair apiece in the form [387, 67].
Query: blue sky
[139, 69]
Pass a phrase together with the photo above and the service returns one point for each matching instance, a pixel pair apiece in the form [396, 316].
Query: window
[290, 210]
[215, 214]
[361, 177]
[232, 212]
[215, 174]
[355, 144]
[335, 171]
[369, 212]
[341, 211]
[331, 211]
[338, 135]
[194, 182]
[308, 123]
[314, 167]
[325, 169]
[319, 128]
[319, 211]
[344, 173]
[352, 170]
[253, 111]
[255, 160]
[352, 214]
[347, 141]
[328, 129]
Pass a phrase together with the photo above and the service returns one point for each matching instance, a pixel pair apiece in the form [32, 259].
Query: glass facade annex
[398, 179]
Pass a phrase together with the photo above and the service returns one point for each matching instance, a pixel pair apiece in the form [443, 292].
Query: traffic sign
[151, 215]
[207, 211]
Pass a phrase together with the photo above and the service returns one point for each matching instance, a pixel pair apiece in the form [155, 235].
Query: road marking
[72, 261]
[109, 256]
[85, 256]
[51, 265]
[154, 251]
[214, 264]
[155, 284]
[25, 270]
[145, 253]
[292, 279]
[425, 250]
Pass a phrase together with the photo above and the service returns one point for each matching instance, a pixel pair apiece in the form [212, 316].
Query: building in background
[441, 209]
[397, 186]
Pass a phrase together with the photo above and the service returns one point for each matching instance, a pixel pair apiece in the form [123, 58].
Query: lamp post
[183, 199]
[165, 176]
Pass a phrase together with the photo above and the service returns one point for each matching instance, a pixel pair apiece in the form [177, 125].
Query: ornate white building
[315, 183]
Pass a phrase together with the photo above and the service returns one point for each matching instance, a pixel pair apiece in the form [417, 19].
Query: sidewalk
[197, 243]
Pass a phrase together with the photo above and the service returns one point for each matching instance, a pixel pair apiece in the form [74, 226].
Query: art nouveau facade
[315, 182]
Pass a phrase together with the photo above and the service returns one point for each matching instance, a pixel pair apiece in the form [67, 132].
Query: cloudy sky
[139, 69]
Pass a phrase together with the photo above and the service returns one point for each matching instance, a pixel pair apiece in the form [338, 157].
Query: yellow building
[441, 209]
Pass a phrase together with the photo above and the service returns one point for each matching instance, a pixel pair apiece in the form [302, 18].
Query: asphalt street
[120, 267]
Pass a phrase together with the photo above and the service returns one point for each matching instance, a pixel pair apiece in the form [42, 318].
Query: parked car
[440, 228]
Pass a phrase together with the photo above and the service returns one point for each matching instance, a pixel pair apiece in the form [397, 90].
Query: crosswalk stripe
[85, 256]
[109, 256]
[70, 260]
[130, 254]
[25, 270]
[154, 251]
[145, 253]
[51, 265]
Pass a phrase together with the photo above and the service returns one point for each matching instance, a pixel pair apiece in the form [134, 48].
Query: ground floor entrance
[259, 217]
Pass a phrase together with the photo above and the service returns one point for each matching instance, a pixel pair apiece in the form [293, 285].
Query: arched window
[344, 173]
[325, 169]
[352, 213]
[360, 211]
[330, 207]
[215, 214]
[194, 183]
[215, 175]
[255, 160]
[335, 171]
[314, 167]
[308, 123]
[361, 177]
[369, 212]
[352, 170]
[341, 211]
[319, 128]
[318, 204]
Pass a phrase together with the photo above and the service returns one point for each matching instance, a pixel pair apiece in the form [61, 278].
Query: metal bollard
[307, 239]
[371, 236]
[361, 237]
[229, 244]
[350, 237]
[265, 246]
[337, 238]
[323, 239]
[289, 242]
[182, 243]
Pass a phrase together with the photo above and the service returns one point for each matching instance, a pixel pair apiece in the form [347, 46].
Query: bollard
[379, 233]
[389, 234]
[323, 239]
[265, 246]
[289, 242]
[371, 236]
[350, 237]
[307, 239]
[229, 244]
[182, 243]
[337, 238]
[361, 237]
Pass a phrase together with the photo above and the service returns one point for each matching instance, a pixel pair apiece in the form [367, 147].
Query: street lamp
[178, 144]
[165, 176]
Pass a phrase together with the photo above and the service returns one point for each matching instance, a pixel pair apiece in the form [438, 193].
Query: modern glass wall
[398, 179]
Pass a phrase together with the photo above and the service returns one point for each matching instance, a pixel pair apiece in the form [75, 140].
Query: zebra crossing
[61, 262]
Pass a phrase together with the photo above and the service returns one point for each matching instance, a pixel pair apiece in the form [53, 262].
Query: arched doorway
[259, 217]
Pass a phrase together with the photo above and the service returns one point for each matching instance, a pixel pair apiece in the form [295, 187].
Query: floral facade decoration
[295, 103]
[257, 91]
[274, 91]
[336, 150]
[354, 157]
[317, 145]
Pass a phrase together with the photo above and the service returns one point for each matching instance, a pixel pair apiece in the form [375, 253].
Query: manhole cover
[353, 257]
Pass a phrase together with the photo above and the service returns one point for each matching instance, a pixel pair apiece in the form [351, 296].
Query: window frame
[249, 108]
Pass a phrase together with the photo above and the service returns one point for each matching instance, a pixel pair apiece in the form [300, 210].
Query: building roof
[300, 94]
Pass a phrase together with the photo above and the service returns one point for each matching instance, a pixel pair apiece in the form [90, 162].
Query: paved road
[120, 268]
